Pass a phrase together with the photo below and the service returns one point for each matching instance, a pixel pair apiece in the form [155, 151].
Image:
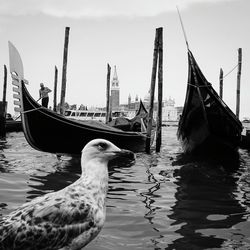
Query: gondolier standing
[44, 95]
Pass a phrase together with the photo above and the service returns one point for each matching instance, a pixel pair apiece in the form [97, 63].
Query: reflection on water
[205, 199]
[164, 200]
[67, 171]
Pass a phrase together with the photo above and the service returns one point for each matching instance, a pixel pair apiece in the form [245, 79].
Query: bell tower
[129, 101]
[115, 91]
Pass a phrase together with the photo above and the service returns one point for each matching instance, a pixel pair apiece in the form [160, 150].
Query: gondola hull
[50, 132]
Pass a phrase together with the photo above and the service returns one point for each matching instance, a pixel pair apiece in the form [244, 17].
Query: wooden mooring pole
[3, 107]
[55, 90]
[108, 94]
[64, 71]
[152, 92]
[238, 83]
[160, 81]
[221, 83]
[5, 84]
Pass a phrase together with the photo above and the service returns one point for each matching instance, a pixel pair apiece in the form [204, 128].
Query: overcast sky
[121, 33]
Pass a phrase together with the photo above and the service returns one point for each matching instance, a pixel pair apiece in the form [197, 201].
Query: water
[162, 201]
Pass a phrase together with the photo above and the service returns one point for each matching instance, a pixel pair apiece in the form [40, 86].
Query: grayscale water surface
[161, 201]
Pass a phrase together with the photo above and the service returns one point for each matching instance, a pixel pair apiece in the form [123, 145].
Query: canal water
[163, 200]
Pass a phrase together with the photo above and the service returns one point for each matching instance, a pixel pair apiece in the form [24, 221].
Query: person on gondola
[44, 95]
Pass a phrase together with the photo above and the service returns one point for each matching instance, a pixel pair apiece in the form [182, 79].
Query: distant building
[115, 92]
[132, 106]
[169, 111]
[129, 101]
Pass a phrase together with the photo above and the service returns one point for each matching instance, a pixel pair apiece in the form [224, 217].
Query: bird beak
[125, 154]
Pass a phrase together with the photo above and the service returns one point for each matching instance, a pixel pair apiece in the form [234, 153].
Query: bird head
[104, 150]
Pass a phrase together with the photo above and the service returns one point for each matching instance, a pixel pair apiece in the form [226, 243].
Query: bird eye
[102, 146]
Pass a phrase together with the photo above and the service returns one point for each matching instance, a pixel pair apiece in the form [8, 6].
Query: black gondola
[207, 125]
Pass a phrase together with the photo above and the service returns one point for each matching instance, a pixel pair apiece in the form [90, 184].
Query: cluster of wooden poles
[157, 60]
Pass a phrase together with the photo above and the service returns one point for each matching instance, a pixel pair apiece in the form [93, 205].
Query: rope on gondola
[231, 70]
[202, 86]
[24, 112]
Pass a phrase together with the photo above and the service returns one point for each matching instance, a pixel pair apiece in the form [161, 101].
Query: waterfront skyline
[122, 33]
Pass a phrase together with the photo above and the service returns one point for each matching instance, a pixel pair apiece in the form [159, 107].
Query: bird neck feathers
[95, 173]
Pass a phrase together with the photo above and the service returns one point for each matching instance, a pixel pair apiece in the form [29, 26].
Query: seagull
[69, 218]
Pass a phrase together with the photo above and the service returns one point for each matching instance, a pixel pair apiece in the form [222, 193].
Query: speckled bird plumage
[69, 218]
